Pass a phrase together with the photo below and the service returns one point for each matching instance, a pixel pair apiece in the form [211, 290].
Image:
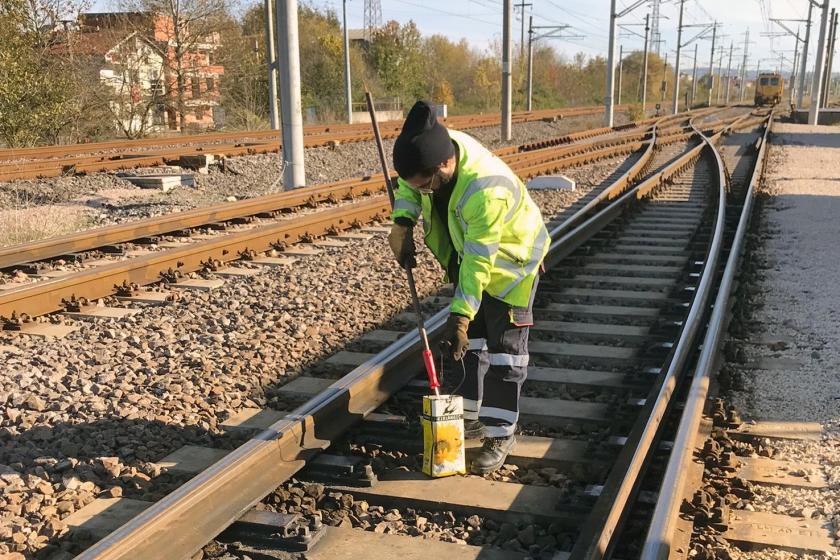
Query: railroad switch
[285, 531]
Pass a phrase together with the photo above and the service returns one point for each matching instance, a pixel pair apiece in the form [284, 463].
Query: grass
[22, 219]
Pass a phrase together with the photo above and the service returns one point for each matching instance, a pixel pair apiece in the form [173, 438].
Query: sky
[480, 23]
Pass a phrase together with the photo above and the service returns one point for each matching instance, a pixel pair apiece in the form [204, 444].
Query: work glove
[456, 335]
[401, 240]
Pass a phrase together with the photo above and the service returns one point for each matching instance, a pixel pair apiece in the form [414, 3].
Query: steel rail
[597, 537]
[48, 296]
[59, 161]
[661, 531]
[87, 240]
[311, 130]
[568, 243]
[613, 191]
[91, 239]
[182, 522]
[178, 525]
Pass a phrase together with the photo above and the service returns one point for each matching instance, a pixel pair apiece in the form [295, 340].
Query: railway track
[633, 270]
[106, 264]
[54, 161]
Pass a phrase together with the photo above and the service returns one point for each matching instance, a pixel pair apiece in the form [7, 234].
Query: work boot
[473, 429]
[492, 454]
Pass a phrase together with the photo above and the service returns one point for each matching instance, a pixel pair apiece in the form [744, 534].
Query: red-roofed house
[134, 54]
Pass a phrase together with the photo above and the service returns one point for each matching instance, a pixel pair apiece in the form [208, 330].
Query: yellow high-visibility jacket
[494, 226]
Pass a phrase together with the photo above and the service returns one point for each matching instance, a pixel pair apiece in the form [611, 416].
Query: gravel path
[102, 198]
[84, 416]
[787, 366]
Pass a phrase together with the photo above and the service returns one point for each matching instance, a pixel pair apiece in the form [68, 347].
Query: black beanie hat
[423, 143]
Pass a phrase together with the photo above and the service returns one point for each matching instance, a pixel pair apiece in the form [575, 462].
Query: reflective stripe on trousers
[496, 365]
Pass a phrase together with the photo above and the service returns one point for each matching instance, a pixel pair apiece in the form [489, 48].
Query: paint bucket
[443, 435]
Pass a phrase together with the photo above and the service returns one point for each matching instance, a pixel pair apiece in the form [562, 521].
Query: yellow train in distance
[768, 88]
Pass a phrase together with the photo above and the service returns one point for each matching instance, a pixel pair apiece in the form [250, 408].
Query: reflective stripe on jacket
[495, 227]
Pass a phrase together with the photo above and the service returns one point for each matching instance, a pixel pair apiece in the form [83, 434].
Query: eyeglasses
[425, 188]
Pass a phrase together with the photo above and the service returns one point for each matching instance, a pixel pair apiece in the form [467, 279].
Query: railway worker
[489, 237]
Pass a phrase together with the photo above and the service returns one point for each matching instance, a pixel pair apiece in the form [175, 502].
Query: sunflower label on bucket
[443, 435]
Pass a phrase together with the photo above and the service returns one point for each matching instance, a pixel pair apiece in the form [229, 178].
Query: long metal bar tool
[428, 358]
[443, 415]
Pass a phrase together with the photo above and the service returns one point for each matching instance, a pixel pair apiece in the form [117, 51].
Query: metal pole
[506, 78]
[271, 62]
[792, 72]
[645, 65]
[522, 5]
[347, 85]
[712, 65]
[831, 52]
[694, 77]
[728, 74]
[807, 44]
[676, 103]
[530, 61]
[608, 98]
[720, 75]
[620, 72]
[814, 109]
[294, 175]
[744, 67]
[829, 48]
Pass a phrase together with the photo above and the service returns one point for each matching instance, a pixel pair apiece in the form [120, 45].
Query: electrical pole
[814, 109]
[712, 64]
[522, 5]
[675, 105]
[271, 62]
[832, 24]
[294, 175]
[744, 66]
[620, 72]
[831, 58]
[720, 74]
[792, 73]
[530, 62]
[347, 84]
[694, 76]
[645, 65]
[608, 99]
[507, 49]
[807, 44]
[728, 74]
[551, 32]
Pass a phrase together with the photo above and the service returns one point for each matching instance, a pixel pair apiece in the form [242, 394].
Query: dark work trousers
[496, 364]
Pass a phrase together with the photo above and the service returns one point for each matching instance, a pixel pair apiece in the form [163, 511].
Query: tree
[35, 99]
[396, 56]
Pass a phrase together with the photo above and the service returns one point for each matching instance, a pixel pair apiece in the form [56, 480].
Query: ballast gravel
[86, 416]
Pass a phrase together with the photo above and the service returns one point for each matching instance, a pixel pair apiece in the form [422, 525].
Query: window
[159, 115]
[774, 81]
[156, 87]
[196, 88]
[765, 81]
[211, 84]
